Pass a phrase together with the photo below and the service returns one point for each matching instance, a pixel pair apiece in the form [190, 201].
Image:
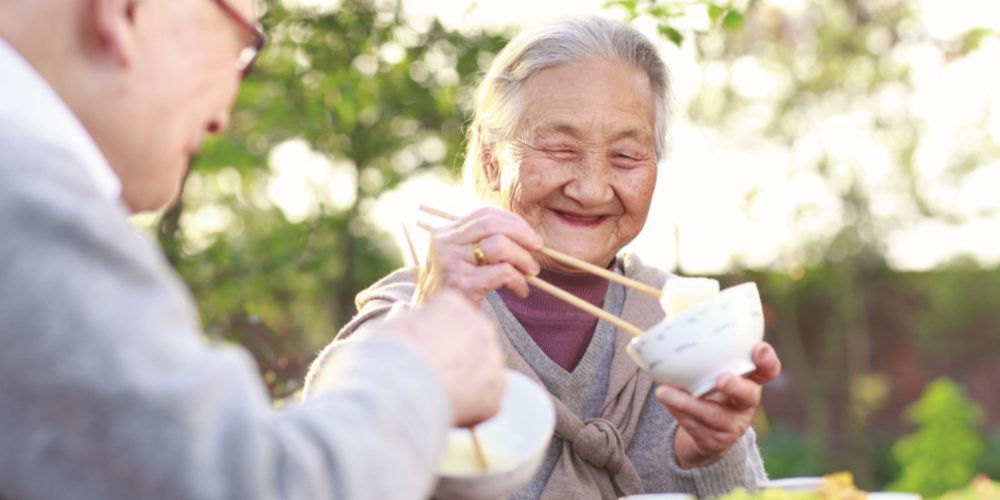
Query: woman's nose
[590, 183]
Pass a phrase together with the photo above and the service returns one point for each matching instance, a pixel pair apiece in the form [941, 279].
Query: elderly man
[106, 389]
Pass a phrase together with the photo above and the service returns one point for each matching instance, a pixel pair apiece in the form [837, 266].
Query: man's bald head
[147, 78]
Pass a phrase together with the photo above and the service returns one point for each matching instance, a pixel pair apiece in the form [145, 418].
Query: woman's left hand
[711, 425]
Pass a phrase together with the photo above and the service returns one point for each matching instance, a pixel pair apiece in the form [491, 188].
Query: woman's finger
[768, 364]
[683, 405]
[737, 392]
[482, 279]
[704, 438]
[489, 221]
[499, 248]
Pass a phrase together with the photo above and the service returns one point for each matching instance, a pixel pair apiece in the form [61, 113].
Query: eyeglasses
[248, 56]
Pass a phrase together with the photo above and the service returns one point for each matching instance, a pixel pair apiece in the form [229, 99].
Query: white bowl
[812, 485]
[711, 338]
[513, 441]
[808, 484]
[660, 496]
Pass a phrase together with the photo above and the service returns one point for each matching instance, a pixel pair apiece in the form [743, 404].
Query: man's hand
[464, 347]
[711, 425]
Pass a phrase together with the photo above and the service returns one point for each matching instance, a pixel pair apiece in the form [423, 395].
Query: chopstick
[574, 262]
[583, 304]
[413, 250]
[573, 300]
[477, 447]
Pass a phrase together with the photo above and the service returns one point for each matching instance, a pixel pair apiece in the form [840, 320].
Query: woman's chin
[579, 252]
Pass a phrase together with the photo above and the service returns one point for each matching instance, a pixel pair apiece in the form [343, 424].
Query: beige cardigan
[592, 456]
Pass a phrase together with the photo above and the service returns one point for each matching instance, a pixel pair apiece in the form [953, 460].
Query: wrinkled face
[583, 170]
[180, 85]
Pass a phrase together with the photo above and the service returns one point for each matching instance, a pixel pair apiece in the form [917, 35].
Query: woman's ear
[114, 25]
[490, 164]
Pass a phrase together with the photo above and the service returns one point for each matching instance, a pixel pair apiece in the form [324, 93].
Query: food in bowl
[460, 455]
[693, 348]
[680, 293]
[514, 442]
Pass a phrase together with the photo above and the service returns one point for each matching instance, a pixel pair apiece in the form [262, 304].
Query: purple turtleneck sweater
[562, 331]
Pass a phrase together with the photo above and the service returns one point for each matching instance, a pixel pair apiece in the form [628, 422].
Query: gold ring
[479, 254]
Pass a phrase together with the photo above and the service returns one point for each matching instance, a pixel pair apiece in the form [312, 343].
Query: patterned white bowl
[711, 338]
[514, 442]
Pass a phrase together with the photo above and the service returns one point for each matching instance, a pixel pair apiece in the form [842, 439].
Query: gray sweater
[584, 390]
[108, 390]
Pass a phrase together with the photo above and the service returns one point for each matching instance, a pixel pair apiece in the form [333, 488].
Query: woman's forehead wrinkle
[608, 133]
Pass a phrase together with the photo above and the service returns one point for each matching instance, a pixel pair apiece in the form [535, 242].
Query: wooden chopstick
[571, 299]
[413, 250]
[584, 305]
[477, 447]
[574, 262]
[600, 271]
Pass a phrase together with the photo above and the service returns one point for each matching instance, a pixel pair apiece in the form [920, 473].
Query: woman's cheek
[637, 195]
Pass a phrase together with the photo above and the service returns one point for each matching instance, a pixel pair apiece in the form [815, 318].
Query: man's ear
[490, 164]
[114, 24]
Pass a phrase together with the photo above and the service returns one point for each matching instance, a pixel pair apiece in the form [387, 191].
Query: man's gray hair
[497, 112]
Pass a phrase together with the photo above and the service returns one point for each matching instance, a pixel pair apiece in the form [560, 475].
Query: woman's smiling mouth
[577, 219]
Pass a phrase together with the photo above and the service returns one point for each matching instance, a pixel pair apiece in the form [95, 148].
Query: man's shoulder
[73, 270]
[36, 171]
[49, 207]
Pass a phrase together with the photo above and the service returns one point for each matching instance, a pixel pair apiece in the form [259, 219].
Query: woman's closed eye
[629, 158]
[561, 152]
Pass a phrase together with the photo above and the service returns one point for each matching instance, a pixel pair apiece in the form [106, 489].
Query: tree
[366, 97]
[944, 451]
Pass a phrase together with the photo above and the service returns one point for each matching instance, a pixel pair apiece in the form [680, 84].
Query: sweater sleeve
[108, 391]
[740, 466]
[384, 299]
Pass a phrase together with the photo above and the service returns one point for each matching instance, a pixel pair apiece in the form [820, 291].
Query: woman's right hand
[506, 241]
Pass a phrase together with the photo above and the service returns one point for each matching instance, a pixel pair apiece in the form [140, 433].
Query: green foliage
[665, 14]
[787, 454]
[990, 464]
[959, 301]
[367, 90]
[944, 451]
[672, 34]
[732, 20]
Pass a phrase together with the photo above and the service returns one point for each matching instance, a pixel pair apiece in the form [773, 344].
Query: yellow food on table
[680, 294]
[840, 486]
[836, 486]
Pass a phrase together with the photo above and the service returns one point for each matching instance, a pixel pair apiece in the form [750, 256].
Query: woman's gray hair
[497, 112]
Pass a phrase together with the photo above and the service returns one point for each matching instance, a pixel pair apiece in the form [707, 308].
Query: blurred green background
[352, 99]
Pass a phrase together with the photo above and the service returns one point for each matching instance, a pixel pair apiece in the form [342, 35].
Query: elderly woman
[568, 132]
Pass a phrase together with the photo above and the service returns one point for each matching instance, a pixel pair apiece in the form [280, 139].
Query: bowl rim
[695, 309]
